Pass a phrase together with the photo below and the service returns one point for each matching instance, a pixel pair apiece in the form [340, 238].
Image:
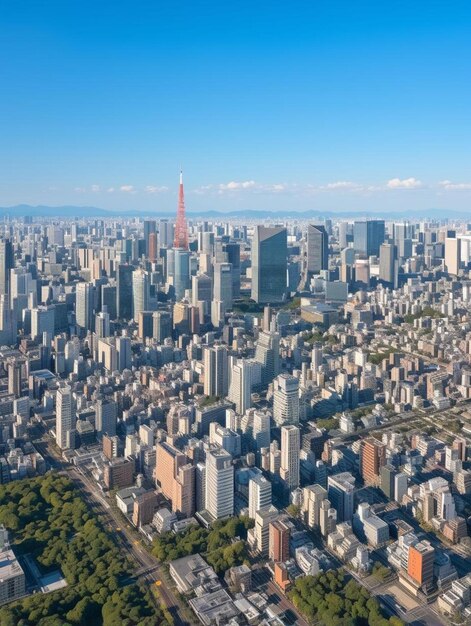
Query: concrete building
[373, 457]
[290, 446]
[65, 418]
[340, 489]
[286, 400]
[219, 484]
[215, 371]
[260, 494]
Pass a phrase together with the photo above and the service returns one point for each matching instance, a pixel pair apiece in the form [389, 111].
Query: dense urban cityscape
[235, 313]
[254, 423]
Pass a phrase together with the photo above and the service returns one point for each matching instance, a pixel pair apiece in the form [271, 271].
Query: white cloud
[449, 186]
[347, 185]
[80, 190]
[110, 189]
[127, 188]
[405, 183]
[235, 186]
[95, 188]
[155, 189]
[245, 185]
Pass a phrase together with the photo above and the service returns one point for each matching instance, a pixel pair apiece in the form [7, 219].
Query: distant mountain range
[70, 211]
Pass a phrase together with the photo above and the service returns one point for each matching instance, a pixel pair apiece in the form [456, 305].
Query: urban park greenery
[48, 520]
[222, 545]
[329, 600]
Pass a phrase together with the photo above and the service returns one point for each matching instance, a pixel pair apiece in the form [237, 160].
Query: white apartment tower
[65, 422]
[290, 447]
[259, 494]
[219, 483]
[286, 400]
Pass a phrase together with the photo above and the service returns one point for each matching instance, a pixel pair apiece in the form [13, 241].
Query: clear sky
[336, 105]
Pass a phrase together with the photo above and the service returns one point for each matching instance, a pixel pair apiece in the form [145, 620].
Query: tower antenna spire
[181, 227]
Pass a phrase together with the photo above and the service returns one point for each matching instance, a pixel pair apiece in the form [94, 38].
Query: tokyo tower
[181, 227]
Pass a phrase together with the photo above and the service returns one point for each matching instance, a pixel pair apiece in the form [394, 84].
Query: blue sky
[268, 105]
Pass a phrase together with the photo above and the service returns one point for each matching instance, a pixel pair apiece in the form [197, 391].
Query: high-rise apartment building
[373, 457]
[286, 400]
[176, 478]
[245, 375]
[290, 448]
[261, 429]
[106, 414]
[279, 536]
[260, 491]
[267, 353]
[65, 418]
[219, 484]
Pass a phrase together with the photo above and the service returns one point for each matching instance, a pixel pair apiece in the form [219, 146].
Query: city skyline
[318, 107]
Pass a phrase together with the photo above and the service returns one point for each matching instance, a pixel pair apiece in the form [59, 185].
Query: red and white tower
[181, 227]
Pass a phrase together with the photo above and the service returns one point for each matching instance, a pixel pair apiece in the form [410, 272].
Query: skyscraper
[140, 291]
[124, 291]
[181, 228]
[149, 229]
[267, 353]
[452, 255]
[317, 249]
[42, 320]
[259, 494]
[388, 267]
[290, 447]
[215, 371]
[368, 235]
[232, 254]
[6, 264]
[269, 264]
[223, 284]
[102, 323]
[245, 374]
[340, 489]
[181, 277]
[85, 305]
[373, 457]
[105, 417]
[286, 400]
[108, 299]
[202, 291]
[162, 325]
[14, 378]
[219, 483]
[65, 419]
